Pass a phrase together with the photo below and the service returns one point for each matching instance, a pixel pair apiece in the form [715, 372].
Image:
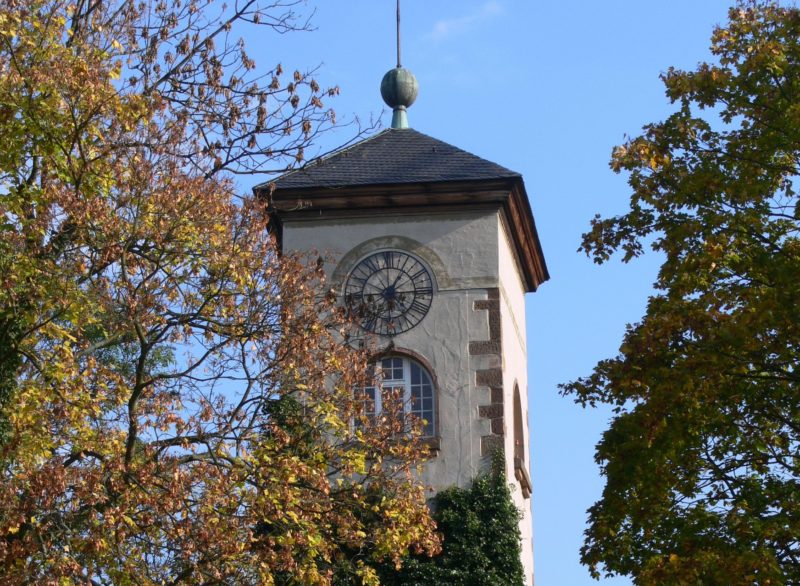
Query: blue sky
[545, 88]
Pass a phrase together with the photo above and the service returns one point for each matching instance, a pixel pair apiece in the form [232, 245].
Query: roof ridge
[392, 156]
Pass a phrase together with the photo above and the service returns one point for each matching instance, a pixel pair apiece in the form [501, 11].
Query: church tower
[441, 246]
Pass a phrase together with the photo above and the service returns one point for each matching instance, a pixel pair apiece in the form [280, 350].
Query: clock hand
[404, 284]
[399, 276]
[388, 277]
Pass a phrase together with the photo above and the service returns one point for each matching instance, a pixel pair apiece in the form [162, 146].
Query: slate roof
[390, 157]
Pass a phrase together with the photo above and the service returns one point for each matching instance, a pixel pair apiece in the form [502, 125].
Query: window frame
[407, 363]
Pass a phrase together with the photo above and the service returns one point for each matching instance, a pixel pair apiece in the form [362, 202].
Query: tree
[702, 458]
[176, 400]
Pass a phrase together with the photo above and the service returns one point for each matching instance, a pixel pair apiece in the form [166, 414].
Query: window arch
[412, 383]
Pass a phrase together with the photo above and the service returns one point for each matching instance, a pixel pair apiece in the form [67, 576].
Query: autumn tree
[176, 402]
[702, 459]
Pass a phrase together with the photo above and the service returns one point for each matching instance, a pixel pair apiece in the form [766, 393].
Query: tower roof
[402, 171]
[392, 156]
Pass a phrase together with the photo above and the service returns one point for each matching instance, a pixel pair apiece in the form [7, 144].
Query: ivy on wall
[482, 542]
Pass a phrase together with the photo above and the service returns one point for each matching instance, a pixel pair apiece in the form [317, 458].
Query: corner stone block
[491, 444]
[493, 411]
[491, 377]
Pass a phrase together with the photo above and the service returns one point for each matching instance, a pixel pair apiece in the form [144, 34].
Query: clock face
[389, 292]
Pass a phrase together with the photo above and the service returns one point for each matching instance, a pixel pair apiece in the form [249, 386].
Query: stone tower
[436, 249]
[442, 245]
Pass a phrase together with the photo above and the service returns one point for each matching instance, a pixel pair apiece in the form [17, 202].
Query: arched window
[520, 466]
[408, 380]
[519, 431]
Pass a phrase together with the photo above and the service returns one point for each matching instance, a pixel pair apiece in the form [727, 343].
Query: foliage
[702, 459]
[481, 539]
[148, 328]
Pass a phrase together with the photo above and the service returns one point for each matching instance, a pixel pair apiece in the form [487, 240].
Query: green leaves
[703, 483]
[481, 546]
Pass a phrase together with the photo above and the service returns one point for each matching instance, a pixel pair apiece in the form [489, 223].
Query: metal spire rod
[399, 87]
[398, 33]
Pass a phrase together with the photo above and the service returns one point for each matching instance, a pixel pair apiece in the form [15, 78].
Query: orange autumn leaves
[176, 400]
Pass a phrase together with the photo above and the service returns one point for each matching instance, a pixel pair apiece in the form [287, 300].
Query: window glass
[421, 397]
[410, 382]
[369, 401]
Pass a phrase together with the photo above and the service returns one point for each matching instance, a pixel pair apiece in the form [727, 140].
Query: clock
[389, 292]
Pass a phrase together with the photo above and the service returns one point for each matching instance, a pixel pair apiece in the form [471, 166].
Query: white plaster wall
[465, 242]
[515, 370]
[468, 252]
[467, 246]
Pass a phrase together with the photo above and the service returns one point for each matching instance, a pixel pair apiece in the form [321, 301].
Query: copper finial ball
[399, 88]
